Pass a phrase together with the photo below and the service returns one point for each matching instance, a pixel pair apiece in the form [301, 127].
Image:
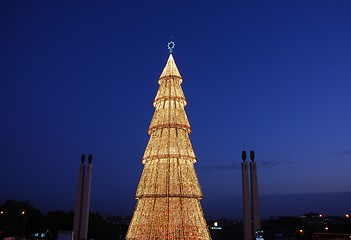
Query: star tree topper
[170, 46]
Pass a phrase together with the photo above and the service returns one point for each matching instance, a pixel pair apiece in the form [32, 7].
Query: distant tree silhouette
[20, 218]
[59, 221]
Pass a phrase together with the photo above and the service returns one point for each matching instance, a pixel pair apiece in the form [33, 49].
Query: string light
[169, 193]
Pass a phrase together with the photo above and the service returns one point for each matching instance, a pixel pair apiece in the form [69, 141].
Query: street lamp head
[252, 155]
[243, 155]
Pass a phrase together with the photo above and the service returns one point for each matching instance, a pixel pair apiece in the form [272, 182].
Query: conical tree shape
[169, 193]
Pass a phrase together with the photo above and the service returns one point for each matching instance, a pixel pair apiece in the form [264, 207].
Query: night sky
[80, 77]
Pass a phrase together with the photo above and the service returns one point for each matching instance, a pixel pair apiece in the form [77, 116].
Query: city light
[215, 226]
[23, 212]
[347, 215]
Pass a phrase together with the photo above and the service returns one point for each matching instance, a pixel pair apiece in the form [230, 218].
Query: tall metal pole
[79, 198]
[86, 201]
[256, 222]
[246, 198]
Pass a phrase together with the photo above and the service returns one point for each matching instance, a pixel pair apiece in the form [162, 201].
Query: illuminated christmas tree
[169, 193]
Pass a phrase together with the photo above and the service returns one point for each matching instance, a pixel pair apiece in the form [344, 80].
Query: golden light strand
[169, 193]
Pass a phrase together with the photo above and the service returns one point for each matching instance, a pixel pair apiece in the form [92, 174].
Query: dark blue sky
[81, 77]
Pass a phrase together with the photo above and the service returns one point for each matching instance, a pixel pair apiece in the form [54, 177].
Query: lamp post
[23, 213]
[301, 234]
[1, 223]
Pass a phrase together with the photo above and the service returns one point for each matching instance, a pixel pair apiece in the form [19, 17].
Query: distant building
[215, 230]
[225, 228]
[64, 235]
[313, 219]
[330, 236]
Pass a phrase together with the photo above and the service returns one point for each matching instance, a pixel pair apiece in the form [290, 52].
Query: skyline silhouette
[271, 77]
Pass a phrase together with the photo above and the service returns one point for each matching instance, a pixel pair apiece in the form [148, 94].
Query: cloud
[219, 167]
[273, 163]
[332, 203]
[224, 166]
[339, 153]
[298, 204]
